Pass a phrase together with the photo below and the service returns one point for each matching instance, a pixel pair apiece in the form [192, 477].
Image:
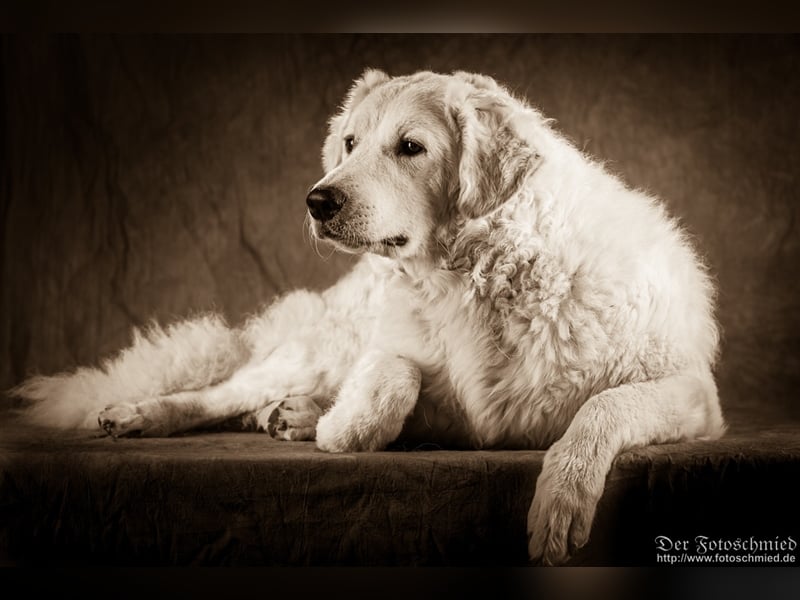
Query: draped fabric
[243, 499]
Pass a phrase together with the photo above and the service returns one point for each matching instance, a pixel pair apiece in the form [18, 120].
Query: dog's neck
[416, 268]
[478, 251]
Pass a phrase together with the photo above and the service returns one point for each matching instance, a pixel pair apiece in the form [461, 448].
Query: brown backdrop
[153, 177]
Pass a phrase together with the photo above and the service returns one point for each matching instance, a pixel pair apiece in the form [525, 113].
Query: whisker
[313, 240]
[306, 228]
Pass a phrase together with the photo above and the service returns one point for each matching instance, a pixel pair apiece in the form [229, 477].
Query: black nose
[323, 203]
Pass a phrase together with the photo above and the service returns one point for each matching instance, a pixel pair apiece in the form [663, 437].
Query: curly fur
[513, 294]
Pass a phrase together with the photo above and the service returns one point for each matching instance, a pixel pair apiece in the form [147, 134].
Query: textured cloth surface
[245, 499]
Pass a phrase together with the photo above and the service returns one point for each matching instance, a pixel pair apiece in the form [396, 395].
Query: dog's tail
[187, 355]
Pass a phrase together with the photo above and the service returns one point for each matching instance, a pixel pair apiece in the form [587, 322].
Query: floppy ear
[481, 82]
[332, 148]
[495, 159]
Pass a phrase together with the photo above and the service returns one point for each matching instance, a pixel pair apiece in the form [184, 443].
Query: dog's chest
[447, 334]
[430, 324]
[438, 325]
[476, 378]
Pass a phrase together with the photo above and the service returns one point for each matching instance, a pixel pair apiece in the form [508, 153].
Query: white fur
[536, 302]
[189, 355]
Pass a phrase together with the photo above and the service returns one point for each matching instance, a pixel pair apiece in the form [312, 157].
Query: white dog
[512, 294]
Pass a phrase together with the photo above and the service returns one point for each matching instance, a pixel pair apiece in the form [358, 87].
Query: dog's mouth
[396, 241]
[385, 247]
[351, 242]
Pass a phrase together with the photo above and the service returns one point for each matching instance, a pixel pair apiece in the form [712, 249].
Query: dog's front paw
[563, 507]
[340, 431]
[122, 420]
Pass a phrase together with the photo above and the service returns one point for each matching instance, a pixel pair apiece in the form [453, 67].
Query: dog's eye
[410, 148]
[349, 142]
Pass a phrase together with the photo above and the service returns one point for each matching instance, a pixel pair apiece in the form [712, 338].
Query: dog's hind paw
[121, 420]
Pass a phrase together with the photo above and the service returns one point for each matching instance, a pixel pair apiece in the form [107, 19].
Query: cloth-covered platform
[244, 499]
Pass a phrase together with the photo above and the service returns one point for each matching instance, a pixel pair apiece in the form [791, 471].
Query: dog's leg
[371, 406]
[281, 377]
[680, 407]
[187, 355]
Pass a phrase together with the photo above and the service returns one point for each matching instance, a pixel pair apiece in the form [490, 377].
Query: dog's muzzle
[324, 203]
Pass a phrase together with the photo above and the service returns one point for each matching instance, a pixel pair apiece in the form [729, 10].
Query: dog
[510, 293]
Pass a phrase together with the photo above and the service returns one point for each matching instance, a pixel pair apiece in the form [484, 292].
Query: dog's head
[408, 155]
